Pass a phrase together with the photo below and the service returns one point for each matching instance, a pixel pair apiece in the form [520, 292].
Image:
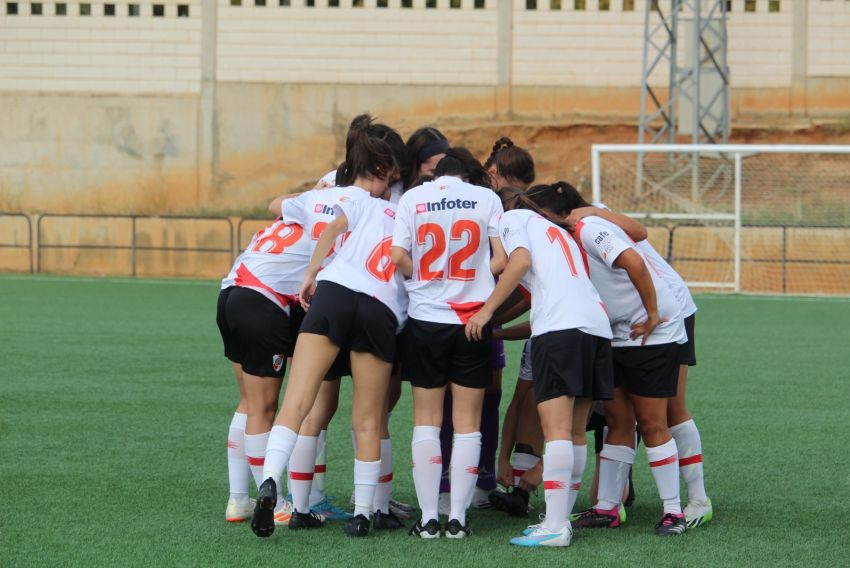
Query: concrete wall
[213, 104]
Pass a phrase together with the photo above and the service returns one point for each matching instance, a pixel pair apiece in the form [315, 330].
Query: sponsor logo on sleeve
[323, 209]
[389, 213]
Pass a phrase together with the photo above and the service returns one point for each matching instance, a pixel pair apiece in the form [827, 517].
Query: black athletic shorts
[651, 370]
[352, 320]
[255, 331]
[342, 364]
[688, 351]
[439, 353]
[570, 362]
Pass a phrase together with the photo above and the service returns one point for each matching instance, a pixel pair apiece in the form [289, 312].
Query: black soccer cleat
[513, 502]
[456, 530]
[311, 520]
[597, 519]
[429, 531]
[386, 521]
[671, 525]
[357, 526]
[262, 523]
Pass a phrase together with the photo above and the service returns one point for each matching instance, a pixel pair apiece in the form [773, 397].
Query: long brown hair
[511, 162]
[365, 154]
[515, 198]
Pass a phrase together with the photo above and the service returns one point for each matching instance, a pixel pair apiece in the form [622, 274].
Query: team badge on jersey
[277, 362]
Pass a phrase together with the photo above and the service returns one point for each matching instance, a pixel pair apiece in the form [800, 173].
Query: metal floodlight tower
[696, 104]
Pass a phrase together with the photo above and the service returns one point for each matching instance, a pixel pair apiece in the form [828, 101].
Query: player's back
[446, 225]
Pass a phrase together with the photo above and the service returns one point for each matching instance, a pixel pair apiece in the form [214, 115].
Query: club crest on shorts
[277, 362]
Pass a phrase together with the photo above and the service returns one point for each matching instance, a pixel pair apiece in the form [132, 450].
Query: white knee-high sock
[614, 465]
[466, 453]
[427, 469]
[317, 490]
[255, 451]
[385, 480]
[689, 444]
[365, 481]
[664, 463]
[557, 471]
[302, 463]
[278, 449]
[521, 463]
[579, 463]
[238, 470]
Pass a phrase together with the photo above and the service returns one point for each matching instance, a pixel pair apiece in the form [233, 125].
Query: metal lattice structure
[695, 108]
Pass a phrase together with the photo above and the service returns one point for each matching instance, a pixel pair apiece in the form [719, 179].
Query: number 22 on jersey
[459, 230]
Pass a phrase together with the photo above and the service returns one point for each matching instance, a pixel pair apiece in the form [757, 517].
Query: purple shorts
[498, 352]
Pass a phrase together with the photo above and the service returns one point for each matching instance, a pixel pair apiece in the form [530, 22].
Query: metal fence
[37, 240]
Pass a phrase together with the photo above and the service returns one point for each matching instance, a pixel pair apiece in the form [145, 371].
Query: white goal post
[713, 187]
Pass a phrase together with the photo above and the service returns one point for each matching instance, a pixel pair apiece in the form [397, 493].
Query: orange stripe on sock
[299, 476]
[550, 485]
[321, 468]
[665, 461]
[690, 460]
[257, 461]
[386, 478]
[575, 486]
[436, 459]
[472, 470]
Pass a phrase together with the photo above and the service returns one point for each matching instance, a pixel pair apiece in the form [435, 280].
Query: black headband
[432, 149]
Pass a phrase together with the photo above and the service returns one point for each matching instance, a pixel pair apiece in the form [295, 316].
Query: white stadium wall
[168, 104]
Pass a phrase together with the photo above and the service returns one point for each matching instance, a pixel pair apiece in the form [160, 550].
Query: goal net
[747, 218]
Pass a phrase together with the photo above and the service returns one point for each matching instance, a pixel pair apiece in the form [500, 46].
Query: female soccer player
[425, 148]
[359, 305]
[683, 428]
[253, 317]
[571, 350]
[648, 330]
[442, 241]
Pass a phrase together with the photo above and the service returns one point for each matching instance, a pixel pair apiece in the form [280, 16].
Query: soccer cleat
[671, 525]
[531, 528]
[357, 526]
[544, 537]
[238, 511]
[513, 502]
[262, 522]
[429, 531]
[622, 510]
[399, 506]
[697, 513]
[386, 521]
[330, 511]
[480, 499]
[311, 520]
[455, 530]
[597, 518]
[282, 513]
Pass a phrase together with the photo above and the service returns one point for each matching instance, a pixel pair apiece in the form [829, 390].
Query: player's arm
[519, 263]
[323, 248]
[516, 305]
[505, 474]
[499, 258]
[519, 331]
[277, 202]
[633, 228]
[402, 260]
[630, 261]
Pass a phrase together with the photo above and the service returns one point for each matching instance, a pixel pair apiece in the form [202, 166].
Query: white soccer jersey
[667, 272]
[314, 210]
[446, 225]
[363, 262]
[274, 263]
[562, 295]
[396, 189]
[604, 242]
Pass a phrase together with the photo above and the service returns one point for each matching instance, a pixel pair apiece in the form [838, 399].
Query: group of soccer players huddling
[401, 266]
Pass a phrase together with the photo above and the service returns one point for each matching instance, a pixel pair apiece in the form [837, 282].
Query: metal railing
[37, 242]
[134, 247]
[29, 245]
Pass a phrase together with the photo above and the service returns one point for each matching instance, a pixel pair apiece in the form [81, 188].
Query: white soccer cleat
[698, 513]
[544, 537]
[282, 513]
[238, 511]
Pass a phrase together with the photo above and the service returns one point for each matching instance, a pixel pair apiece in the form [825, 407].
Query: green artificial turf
[115, 402]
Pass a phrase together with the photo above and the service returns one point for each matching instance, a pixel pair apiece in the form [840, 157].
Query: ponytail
[511, 162]
[367, 153]
[515, 198]
[559, 197]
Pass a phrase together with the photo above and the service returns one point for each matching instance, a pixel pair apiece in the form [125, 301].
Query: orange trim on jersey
[577, 239]
[465, 310]
[246, 279]
[690, 460]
